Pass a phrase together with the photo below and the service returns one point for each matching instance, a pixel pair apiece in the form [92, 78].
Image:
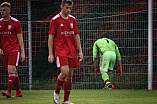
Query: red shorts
[11, 59]
[63, 60]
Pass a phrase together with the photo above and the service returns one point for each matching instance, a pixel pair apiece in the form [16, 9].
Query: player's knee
[11, 69]
[69, 76]
[64, 73]
[63, 76]
[103, 72]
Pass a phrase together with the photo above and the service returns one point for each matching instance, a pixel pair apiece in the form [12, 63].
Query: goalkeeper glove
[97, 70]
[120, 70]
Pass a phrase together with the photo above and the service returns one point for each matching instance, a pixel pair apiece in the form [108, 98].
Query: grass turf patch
[85, 97]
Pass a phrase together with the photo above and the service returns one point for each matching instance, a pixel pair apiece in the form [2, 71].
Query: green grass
[86, 97]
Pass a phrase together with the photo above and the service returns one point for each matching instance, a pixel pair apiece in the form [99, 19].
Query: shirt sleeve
[76, 30]
[118, 56]
[52, 29]
[95, 52]
[18, 27]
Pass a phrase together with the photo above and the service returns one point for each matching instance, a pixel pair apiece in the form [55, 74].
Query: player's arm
[50, 46]
[118, 56]
[95, 53]
[77, 39]
[21, 44]
[1, 51]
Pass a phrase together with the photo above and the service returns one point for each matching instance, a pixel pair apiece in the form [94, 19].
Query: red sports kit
[9, 41]
[64, 31]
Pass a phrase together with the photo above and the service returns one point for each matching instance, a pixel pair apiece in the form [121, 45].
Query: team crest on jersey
[9, 27]
[71, 24]
[0, 26]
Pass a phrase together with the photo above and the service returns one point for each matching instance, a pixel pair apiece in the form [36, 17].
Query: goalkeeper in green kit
[109, 53]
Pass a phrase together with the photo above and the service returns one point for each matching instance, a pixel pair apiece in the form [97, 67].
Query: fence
[127, 23]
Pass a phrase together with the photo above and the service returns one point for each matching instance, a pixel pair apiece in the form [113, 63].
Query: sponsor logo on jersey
[9, 27]
[71, 24]
[5, 33]
[67, 33]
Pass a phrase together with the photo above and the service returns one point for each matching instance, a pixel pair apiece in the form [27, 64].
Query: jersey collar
[63, 17]
[7, 20]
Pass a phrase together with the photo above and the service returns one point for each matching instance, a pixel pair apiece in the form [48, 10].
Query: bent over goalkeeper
[108, 54]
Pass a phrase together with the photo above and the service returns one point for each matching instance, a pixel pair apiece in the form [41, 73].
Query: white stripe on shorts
[58, 63]
[18, 56]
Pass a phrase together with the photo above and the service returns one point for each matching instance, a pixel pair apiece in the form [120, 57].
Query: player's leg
[110, 74]
[73, 62]
[15, 63]
[11, 80]
[111, 65]
[17, 86]
[68, 85]
[104, 68]
[60, 81]
[104, 64]
[12, 61]
[62, 63]
[61, 78]
[5, 64]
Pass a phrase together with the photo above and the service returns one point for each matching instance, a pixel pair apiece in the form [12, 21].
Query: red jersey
[64, 31]
[8, 34]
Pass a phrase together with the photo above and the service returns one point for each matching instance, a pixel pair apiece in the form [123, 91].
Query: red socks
[107, 81]
[60, 82]
[67, 89]
[16, 84]
[11, 81]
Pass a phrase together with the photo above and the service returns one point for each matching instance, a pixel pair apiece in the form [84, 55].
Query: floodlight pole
[150, 44]
[29, 45]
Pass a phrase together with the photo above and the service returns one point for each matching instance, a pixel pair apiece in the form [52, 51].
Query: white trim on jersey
[1, 19]
[58, 63]
[71, 16]
[14, 19]
[18, 56]
[55, 17]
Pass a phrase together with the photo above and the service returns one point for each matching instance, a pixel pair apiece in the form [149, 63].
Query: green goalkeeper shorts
[107, 61]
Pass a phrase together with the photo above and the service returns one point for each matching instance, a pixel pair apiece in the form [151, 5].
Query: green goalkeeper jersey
[105, 44]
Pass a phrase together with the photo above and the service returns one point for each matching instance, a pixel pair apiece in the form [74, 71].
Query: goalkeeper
[108, 54]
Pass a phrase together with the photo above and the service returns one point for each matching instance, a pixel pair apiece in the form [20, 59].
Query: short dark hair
[5, 4]
[69, 2]
[104, 35]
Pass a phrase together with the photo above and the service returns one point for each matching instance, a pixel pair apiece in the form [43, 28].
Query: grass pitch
[85, 97]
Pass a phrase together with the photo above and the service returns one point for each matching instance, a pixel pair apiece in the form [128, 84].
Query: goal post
[150, 44]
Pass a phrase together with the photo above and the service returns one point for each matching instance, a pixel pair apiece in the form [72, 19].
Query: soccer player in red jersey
[63, 34]
[11, 47]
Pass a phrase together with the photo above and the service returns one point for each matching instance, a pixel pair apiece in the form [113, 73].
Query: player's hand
[1, 52]
[51, 58]
[97, 70]
[22, 57]
[120, 70]
[81, 56]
